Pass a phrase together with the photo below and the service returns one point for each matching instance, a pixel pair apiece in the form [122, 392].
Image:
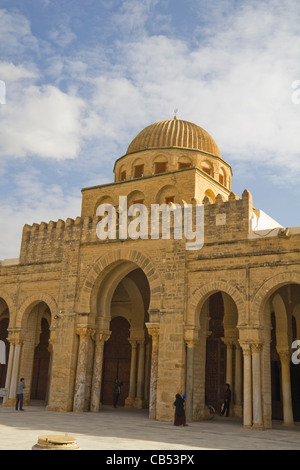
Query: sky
[80, 79]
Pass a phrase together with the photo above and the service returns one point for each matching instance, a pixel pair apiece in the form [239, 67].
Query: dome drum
[169, 146]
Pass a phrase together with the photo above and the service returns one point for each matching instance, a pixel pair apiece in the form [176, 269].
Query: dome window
[222, 177]
[160, 167]
[138, 171]
[123, 175]
[206, 167]
[169, 199]
[182, 165]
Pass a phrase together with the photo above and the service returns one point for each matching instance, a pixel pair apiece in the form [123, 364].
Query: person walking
[20, 387]
[227, 399]
[116, 391]
[179, 418]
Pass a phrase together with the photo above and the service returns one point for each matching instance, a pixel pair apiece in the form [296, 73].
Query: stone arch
[103, 200]
[137, 162]
[211, 196]
[296, 315]
[9, 302]
[207, 167]
[184, 162]
[263, 293]
[201, 294]
[160, 164]
[281, 321]
[33, 300]
[128, 260]
[166, 192]
[135, 197]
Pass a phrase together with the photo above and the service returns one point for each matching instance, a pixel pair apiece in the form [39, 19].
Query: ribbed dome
[174, 133]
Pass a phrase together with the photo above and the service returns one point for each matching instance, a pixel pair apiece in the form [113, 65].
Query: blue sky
[83, 78]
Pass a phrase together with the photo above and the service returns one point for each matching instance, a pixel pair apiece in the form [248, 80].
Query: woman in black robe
[179, 419]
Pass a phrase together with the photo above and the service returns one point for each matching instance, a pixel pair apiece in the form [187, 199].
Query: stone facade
[196, 319]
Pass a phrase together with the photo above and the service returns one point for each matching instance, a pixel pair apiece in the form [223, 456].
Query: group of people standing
[180, 418]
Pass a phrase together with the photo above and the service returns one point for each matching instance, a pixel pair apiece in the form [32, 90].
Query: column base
[288, 424]
[237, 411]
[258, 427]
[9, 402]
[129, 402]
[135, 403]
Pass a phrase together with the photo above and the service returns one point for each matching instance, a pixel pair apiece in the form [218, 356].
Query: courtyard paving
[124, 429]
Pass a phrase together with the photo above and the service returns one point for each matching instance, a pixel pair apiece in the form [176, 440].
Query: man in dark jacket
[227, 399]
[117, 391]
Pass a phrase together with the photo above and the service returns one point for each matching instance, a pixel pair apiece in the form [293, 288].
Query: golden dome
[174, 133]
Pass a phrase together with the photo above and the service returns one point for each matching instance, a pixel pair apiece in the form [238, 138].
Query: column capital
[246, 347]
[16, 336]
[191, 336]
[284, 354]
[101, 336]
[153, 329]
[85, 331]
[256, 348]
[229, 342]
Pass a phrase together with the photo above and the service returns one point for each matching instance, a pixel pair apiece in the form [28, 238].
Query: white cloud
[63, 35]
[236, 82]
[41, 121]
[10, 72]
[15, 33]
[32, 202]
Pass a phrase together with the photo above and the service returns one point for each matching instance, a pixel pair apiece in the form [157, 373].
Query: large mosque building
[78, 310]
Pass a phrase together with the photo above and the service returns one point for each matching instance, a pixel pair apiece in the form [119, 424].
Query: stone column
[100, 339]
[147, 372]
[189, 380]
[229, 347]
[285, 357]
[238, 379]
[79, 392]
[140, 374]
[191, 337]
[9, 368]
[132, 384]
[15, 368]
[247, 385]
[256, 349]
[153, 329]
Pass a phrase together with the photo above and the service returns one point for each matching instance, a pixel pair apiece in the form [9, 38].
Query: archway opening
[283, 312]
[220, 347]
[215, 371]
[127, 352]
[116, 365]
[4, 321]
[41, 361]
[35, 363]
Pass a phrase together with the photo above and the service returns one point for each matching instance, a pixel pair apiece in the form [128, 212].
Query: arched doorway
[40, 370]
[215, 370]
[116, 364]
[4, 321]
[222, 352]
[127, 352]
[282, 312]
[35, 363]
